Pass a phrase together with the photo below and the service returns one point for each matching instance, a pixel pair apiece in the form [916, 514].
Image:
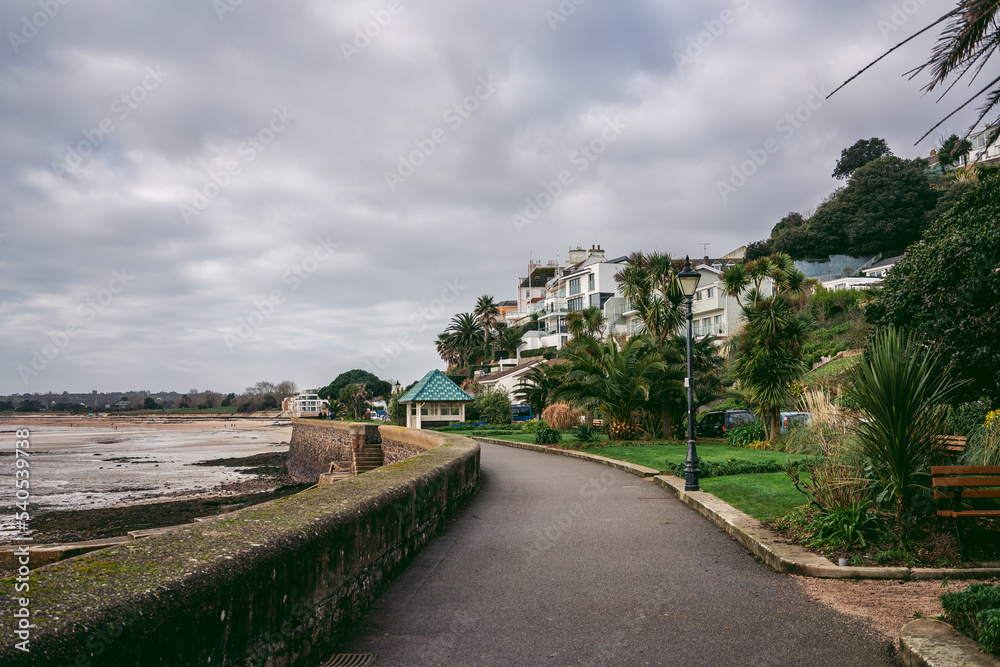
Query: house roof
[884, 262]
[435, 386]
[520, 368]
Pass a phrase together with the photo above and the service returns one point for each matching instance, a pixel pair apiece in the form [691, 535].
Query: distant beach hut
[434, 401]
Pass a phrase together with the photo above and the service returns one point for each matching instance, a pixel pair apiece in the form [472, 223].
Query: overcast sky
[201, 194]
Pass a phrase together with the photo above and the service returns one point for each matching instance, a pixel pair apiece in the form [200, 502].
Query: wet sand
[93, 463]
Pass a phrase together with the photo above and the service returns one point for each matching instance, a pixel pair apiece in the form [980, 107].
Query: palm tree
[768, 355]
[706, 366]
[487, 314]
[593, 320]
[648, 282]
[617, 381]
[575, 325]
[968, 41]
[509, 340]
[901, 387]
[538, 385]
[747, 278]
[466, 336]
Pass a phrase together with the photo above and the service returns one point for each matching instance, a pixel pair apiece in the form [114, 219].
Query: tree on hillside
[374, 385]
[947, 287]
[951, 151]
[790, 236]
[758, 249]
[589, 321]
[861, 153]
[883, 209]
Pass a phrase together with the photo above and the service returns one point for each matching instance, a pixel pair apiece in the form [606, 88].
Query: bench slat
[966, 481]
[970, 493]
[965, 470]
[963, 513]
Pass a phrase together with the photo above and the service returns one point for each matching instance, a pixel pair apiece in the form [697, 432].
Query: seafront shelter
[434, 401]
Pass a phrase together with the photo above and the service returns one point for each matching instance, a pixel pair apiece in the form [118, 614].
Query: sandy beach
[79, 463]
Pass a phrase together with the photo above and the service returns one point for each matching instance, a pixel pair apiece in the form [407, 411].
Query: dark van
[715, 424]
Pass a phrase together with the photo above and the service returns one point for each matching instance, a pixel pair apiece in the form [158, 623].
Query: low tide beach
[80, 464]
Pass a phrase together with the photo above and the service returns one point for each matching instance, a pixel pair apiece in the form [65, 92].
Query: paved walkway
[559, 561]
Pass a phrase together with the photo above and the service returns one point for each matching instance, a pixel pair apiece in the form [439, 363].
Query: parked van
[715, 424]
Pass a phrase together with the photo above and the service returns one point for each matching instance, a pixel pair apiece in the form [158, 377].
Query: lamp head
[688, 279]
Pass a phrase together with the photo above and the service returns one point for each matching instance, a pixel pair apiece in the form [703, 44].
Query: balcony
[710, 330]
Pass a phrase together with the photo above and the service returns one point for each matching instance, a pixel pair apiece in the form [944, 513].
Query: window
[413, 408]
[527, 294]
[575, 304]
[697, 296]
[595, 300]
[709, 292]
[718, 319]
[590, 282]
[423, 411]
[574, 286]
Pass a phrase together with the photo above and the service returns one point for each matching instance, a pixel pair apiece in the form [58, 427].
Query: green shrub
[535, 424]
[976, 613]
[540, 352]
[989, 630]
[844, 526]
[547, 436]
[737, 467]
[494, 406]
[586, 433]
[741, 436]
[967, 418]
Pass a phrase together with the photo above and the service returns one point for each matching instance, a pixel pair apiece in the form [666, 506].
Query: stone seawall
[399, 444]
[317, 444]
[276, 584]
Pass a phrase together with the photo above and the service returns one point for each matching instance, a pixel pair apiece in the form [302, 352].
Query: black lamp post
[397, 404]
[687, 280]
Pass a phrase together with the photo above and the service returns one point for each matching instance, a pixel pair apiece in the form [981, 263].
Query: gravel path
[565, 562]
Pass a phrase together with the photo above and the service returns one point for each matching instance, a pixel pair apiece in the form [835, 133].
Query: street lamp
[397, 403]
[687, 280]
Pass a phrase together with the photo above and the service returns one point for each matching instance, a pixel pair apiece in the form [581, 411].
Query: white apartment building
[588, 279]
[713, 312]
[305, 404]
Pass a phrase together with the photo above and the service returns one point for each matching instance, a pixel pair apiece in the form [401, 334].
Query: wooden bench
[958, 483]
[953, 445]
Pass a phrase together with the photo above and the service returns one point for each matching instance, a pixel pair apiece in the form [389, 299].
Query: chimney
[576, 255]
[596, 252]
[706, 260]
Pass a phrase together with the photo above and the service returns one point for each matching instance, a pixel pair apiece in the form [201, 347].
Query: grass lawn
[765, 497]
[656, 456]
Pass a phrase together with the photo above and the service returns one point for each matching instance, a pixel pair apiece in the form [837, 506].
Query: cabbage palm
[768, 355]
[901, 387]
[648, 282]
[617, 381]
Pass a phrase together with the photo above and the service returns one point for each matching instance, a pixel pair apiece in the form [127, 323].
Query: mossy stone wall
[277, 584]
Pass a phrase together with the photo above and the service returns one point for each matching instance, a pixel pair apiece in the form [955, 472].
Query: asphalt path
[559, 561]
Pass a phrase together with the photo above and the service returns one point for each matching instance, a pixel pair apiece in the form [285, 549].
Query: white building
[305, 404]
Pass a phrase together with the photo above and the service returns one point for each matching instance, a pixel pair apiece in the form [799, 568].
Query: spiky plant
[901, 387]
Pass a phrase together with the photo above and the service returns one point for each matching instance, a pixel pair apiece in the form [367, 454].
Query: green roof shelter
[434, 401]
